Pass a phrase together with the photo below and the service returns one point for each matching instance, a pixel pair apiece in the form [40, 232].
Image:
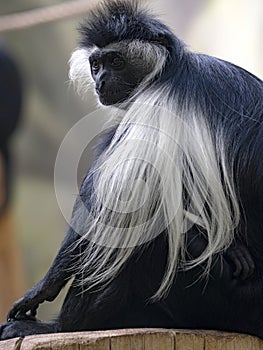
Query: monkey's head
[118, 69]
[124, 46]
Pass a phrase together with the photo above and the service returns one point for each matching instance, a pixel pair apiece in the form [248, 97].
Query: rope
[44, 15]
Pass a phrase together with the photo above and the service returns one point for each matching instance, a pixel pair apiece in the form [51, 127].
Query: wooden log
[136, 339]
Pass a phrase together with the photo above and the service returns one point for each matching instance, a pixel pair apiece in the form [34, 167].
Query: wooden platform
[136, 339]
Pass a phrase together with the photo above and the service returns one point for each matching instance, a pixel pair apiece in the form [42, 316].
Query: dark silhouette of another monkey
[11, 277]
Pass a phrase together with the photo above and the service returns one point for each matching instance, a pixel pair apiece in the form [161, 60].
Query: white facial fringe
[158, 155]
[79, 71]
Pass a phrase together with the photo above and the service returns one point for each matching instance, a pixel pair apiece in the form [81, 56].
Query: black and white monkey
[189, 253]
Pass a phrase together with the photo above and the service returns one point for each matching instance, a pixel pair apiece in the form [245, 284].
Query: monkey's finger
[14, 315]
[19, 308]
[33, 311]
[247, 264]
[238, 267]
[251, 265]
[248, 268]
[245, 269]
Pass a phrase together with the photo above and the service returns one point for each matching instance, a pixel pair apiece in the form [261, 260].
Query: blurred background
[31, 224]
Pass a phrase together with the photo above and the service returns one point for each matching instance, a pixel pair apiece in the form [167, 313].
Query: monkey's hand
[26, 307]
[241, 259]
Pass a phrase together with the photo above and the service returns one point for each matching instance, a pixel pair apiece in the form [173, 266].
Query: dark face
[115, 78]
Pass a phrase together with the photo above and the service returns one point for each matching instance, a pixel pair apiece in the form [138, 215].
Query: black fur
[118, 20]
[230, 298]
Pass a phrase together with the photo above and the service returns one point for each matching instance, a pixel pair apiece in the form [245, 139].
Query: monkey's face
[114, 76]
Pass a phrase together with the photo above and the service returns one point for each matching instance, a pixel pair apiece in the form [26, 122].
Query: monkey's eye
[117, 62]
[95, 65]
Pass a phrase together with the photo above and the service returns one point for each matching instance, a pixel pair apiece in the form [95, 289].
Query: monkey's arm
[52, 283]
[62, 268]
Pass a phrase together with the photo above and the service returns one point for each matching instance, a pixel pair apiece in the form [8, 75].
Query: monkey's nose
[100, 86]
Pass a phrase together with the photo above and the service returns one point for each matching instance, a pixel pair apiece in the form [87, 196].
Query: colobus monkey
[167, 228]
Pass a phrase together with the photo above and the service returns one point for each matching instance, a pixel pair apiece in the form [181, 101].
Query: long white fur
[79, 72]
[158, 154]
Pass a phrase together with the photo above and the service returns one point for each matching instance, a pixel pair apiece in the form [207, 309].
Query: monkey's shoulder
[104, 140]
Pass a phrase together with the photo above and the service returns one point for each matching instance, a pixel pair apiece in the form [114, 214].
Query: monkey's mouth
[113, 97]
